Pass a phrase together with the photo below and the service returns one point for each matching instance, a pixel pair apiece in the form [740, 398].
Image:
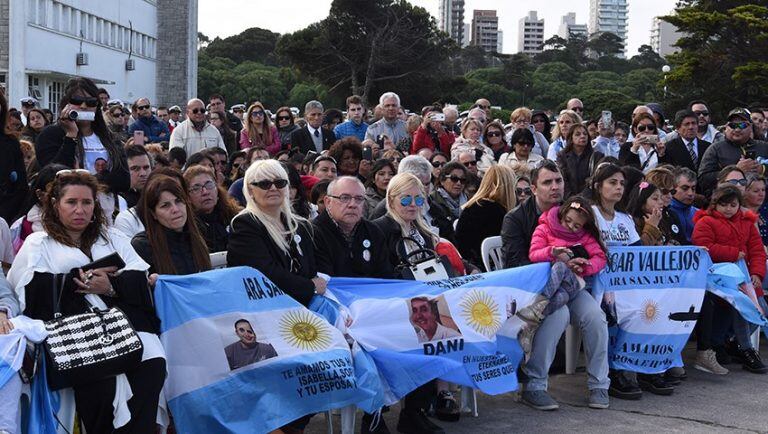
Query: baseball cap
[741, 113]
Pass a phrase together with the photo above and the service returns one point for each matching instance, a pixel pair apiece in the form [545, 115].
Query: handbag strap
[58, 291]
[406, 257]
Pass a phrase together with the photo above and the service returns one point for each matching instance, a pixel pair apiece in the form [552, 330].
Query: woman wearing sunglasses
[450, 195]
[493, 136]
[285, 126]
[212, 205]
[521, 159]
[469, 142]
[79, 143]
[258, 130]
[116, 120]
[646, 148]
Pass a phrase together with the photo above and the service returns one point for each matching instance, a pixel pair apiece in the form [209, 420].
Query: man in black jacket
[686, 149]
[312, 137]
[216, 103]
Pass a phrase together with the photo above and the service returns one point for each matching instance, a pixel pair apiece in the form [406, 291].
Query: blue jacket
[684, 214]
[350, 128]
[152, 128]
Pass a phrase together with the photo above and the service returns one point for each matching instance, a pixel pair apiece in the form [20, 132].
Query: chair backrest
[218, 260]
[490, 249]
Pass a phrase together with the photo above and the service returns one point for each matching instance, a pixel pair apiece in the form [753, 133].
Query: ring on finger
[88, 275]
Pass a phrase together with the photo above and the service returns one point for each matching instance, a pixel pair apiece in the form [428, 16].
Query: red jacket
[725, 238]
[550, 233]
[422, 139]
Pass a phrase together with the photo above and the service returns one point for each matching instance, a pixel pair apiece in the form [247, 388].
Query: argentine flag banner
[654, 296]
[463, 330]
[244, 357]
[731, 282]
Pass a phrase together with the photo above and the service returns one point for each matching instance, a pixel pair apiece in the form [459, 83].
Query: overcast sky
[229, 17]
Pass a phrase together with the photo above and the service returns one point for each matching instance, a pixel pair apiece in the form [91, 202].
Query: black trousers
[714, 320]
[94, 400]
[421, 397]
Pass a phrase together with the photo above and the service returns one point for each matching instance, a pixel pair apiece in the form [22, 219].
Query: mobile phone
[138, 137]
[752, 155]
[111, 260]
[579, 251]
[607, 118]
[368, 153]
[380, 140]
[652, 139]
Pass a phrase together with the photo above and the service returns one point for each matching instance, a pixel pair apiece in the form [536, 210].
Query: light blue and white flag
[654, 294]
[730, 281]
[462, 330]
[244, 357]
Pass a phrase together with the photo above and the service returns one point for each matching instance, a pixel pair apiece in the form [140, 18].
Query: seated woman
[482, 216]
[522, 118]
[449, 195]
[470, 142]
[493, 136]
[213, 207]
[75, 234]
[521, 159]
[376, 187]
[171, 242]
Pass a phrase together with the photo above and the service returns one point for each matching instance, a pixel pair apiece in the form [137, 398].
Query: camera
[82, 116]
[437, 117]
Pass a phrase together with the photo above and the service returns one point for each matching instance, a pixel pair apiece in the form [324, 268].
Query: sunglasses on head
[142, 107]
[79, 100]
[742, 182]
[438, 163]
[198, 110]
[407, 200]
[455, 178]
[523, 191]
[257, 113]
[267, 184]
[643, 128]
[738, 125]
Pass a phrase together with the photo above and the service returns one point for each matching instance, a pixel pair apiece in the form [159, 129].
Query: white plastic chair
[218, 260]
[490, 249]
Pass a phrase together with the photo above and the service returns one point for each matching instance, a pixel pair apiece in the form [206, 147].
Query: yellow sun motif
[650, 311]
[481, 312]
[303, 330]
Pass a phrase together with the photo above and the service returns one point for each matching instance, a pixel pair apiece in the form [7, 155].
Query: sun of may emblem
[303, 330]
[650, 311]
[481, 312]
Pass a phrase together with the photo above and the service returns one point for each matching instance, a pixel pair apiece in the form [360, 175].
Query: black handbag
[90, 346]
[422, 264]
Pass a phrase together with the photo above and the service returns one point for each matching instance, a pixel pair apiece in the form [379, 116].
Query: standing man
[583, 311]
[195, 133]
[389, 125]
[484, 105]
[576, 105]
[706, 131]
[354, 126]
[140, 166]
[216, 103]
[686, 149]
[174, 114]
[312, 137]
[154, 129]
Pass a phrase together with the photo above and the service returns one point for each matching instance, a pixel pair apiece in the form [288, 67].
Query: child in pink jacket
[564, 233]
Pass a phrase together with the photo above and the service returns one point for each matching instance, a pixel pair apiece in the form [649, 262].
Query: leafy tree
[605, 44]
[647, 58]
[254, 44]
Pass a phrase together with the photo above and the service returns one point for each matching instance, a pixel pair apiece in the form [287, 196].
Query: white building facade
[568, 27]
[609, 16]
[115, 43]
[663, 36]
[451, 19]
[530, 37]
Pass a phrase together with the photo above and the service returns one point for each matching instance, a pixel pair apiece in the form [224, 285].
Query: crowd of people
[351, 194]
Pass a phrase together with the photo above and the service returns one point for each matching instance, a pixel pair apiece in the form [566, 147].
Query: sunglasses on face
[523, 191]
[283, 118]
[408, 200]
[257, 114]
[456, 179]
[142, 107]
[118, 115]
[578, 109]
[494, 134]
[643, 128]
[701, 113]
[267, 184]
[198, 111]
[738, 125]
[438, 164]
[742, 182]
[79, 100]
[470, 163]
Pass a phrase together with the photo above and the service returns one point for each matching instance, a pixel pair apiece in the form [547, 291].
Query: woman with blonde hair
[482, 216]
[471, 130]
[258, 130]
[565, 121]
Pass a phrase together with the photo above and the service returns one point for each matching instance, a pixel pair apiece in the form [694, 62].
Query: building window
[55, 92]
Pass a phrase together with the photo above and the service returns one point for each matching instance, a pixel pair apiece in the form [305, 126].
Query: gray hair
[353, 179]
[417, 165]
[387, 95]
[450, 108]
[684, 172]
[314, 104]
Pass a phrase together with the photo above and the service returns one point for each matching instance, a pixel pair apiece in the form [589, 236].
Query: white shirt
[6, 243]
[128, 222]
[620, 231]
[94, 150]
[187, 137]
[442, 332]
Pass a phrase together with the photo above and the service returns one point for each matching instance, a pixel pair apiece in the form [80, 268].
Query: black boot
[655, 384]
[723, 358]
[752, 362]
[373, 423]
[624, 386]
[446, 408]
[416, 422]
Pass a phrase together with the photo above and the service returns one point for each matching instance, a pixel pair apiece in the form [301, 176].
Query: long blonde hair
[271, 170]
[498, 185]
[575, 119]
[397, 185]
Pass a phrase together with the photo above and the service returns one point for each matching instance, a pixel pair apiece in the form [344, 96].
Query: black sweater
[13, 178]
[179, 246]
[478, 222]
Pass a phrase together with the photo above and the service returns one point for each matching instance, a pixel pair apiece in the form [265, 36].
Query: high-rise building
[500, 46]
[467, 36]
[568, 27]
[451, 19]
[485, 29]
[530, 37]
[609, 16]
[132, 48]
[663, 36]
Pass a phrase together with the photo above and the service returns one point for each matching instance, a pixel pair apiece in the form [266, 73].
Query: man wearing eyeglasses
[485, 105]
[154, 129]
[196, 134]
[737, 148]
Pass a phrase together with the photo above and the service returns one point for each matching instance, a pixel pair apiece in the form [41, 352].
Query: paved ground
[737, 402]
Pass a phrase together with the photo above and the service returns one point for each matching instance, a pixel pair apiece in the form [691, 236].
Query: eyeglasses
[283, 118]
[346, 198]
[523, 191]
[79, 100]
[208, 186]
[665, 191]
[701, 113]
[267, 184]
[118, 115]
[494, 134]
[643, 127]
[455, 178]
[257, 114]
[742, 182]
[470, 163]
[142, 107]
[198, 111]
[578, 109]
[738, 125]
[85, 172]
[438, 164]
[408, 200]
